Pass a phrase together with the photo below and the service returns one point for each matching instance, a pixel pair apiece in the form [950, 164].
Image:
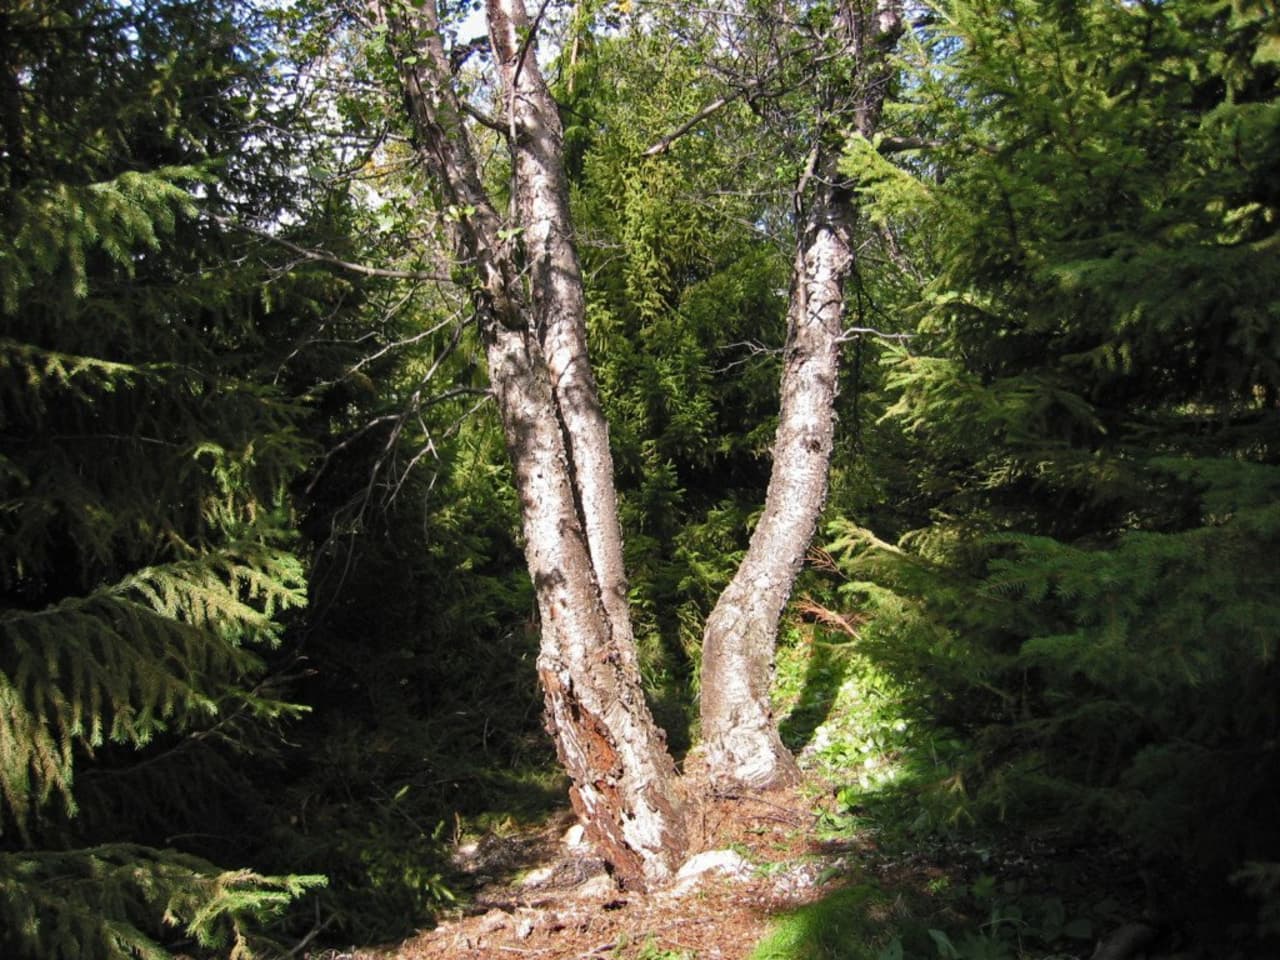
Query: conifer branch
[891, 144]
[129, 660]
[118, 901]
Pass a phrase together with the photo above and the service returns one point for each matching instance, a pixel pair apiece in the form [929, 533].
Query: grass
[850, 924]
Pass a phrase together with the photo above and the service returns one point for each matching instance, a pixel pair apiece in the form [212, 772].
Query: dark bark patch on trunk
[588, 754]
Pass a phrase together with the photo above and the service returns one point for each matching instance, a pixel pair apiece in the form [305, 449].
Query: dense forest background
[267, 641]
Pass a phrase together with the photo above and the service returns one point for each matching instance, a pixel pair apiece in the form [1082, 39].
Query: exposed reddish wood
[587, 749]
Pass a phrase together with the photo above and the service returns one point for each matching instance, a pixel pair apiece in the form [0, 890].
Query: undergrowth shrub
[1085, 609]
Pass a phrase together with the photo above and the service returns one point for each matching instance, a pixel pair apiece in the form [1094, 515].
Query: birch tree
[526, 286]
[521, 270]
[740, 736]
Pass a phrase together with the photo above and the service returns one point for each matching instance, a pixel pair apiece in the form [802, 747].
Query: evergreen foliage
[1075, 455]
[415, 655]
[420, 656]
[145, 549]
[1088, 591]
[97, 903]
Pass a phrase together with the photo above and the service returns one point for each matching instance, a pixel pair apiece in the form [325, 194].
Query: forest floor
[542, 894]
[787, 869]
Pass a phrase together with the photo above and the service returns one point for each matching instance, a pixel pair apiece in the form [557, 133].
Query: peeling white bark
[740, 739]
[559, 311]
[625, 787]
[739, 735]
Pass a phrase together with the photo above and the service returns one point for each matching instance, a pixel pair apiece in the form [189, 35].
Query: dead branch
[852, 332]
[1124, 942]
[664, 144]
[847, 625]
[321, 256]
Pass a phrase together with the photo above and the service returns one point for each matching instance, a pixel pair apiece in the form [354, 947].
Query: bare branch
[900, 144]
[399, 344]
[663, 145]
[482, 118]
[429, 448]
[851, 333]
[749, 89]
[527, 43]
[753, 349]
[320, 256]
[363, 429]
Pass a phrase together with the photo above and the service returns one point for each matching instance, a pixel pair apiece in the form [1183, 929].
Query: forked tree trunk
[740, 738]
[625, 786]
[559, 303]
[624, 781]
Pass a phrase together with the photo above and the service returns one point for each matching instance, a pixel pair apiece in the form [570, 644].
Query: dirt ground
[545, 895]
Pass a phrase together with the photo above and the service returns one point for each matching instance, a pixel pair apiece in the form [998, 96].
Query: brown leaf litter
[545, 895]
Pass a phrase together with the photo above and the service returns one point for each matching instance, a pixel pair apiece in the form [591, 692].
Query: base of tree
[744, 761]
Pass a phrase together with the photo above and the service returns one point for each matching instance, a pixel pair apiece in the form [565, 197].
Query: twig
[664, 144]
[686, 921]
[751, 90]
[850, 332]
[318, 929]
[829, 617]
[754, 349]
[794, 818]
[534, 27]
[319, 256]
[481, 117]
[1125, 942]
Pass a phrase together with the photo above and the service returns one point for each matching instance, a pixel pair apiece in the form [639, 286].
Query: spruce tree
[145, 556]
[1093, 399]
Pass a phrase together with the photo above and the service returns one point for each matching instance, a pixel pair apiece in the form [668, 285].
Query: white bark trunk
[624, 782]
[625, 785]
[559, 306]
[740, 739]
